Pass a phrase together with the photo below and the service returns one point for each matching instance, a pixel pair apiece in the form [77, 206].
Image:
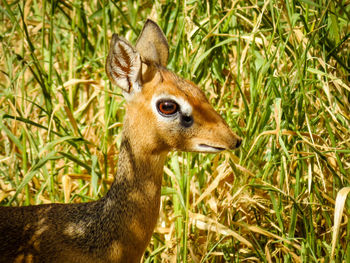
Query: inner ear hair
[123, 65]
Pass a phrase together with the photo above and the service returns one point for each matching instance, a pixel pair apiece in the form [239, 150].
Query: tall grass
[277, 71]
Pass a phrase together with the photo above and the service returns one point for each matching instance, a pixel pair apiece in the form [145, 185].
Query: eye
[167, 107]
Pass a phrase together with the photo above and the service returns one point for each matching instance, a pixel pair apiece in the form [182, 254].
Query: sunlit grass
[277, 71]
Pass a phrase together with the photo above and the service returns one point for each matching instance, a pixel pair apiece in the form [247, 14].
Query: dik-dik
[163, 113]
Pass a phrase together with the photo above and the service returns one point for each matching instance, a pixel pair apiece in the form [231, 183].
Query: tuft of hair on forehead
[186, 86]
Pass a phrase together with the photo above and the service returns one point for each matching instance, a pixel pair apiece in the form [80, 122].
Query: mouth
[210, 149]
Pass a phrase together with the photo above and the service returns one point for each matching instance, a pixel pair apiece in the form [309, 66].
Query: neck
[134, 197]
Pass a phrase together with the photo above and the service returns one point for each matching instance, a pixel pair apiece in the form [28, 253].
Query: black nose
[238, 143]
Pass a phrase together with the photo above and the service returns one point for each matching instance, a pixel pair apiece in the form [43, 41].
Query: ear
[152, 44]
[123, 65]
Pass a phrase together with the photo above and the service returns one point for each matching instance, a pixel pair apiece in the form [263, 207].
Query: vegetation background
[277, 71]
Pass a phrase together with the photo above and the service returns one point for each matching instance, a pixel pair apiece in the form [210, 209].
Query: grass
[277, 71]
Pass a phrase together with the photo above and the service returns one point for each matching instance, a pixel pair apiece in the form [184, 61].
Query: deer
[164, 113]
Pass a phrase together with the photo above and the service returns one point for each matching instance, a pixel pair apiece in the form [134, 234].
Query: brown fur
[119, 226]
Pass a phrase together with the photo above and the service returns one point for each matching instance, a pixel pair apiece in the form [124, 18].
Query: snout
[236, 142]
[226, 137]
[232, 142]
[217, 142]
[239, 142]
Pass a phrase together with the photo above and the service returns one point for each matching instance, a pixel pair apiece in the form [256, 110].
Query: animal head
[164, 111]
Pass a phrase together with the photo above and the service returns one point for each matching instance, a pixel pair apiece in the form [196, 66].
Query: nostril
[238, 143]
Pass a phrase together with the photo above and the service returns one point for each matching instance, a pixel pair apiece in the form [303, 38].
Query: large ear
[123, 65]
[152, 44]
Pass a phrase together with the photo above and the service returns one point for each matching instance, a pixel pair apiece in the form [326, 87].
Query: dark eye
[167, 107]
